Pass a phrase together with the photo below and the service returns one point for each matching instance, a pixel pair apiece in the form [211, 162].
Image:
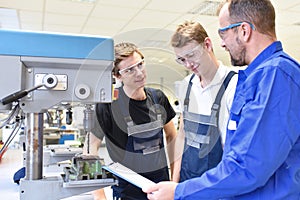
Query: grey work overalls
[145, 152]
[202, 148]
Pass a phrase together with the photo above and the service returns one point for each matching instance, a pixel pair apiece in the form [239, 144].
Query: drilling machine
[43, 70]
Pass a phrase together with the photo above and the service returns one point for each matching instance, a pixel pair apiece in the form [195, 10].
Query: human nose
[223, 45]
[138, 70]
[188, 64]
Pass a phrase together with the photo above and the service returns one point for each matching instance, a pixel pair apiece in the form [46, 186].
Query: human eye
[129, 70]
[180, 59]
[140, 64]
[221, 34]
[189, 55]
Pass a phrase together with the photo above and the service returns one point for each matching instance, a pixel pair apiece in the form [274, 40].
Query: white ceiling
[148, 23]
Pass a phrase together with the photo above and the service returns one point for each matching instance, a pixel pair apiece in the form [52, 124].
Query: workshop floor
[11, 162]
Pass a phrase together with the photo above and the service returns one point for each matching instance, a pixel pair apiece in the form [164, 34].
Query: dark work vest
[145, 153]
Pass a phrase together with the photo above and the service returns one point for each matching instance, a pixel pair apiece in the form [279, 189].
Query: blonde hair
[187, 32]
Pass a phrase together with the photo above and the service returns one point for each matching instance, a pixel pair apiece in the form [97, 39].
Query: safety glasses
[221, 31]
[188, 56]
[133, 68]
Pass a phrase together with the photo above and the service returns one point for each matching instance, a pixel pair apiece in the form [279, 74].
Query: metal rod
[34, 146]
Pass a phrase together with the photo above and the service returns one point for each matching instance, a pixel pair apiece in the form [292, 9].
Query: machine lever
[18, 95]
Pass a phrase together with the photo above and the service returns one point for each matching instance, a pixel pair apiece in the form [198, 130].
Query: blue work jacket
[261, 157]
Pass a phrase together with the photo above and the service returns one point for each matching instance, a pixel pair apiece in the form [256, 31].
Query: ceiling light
[206, 8]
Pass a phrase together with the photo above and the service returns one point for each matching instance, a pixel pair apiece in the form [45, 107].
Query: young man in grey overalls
[207, 99]
[133, 124]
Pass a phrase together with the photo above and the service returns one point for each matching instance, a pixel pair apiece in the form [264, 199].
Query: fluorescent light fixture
[206, 8]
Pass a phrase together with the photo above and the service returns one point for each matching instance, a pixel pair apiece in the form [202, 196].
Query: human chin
[236, 61]
[140, 82]
[195, 67]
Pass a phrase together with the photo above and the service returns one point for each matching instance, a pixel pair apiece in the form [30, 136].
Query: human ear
[246, 31]
[207, 44]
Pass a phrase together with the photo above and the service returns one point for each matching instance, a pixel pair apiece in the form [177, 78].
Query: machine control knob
[50, 81]
[82, 91]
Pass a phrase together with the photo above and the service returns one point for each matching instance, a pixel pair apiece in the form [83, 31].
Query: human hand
[163, 190]
[99, 194]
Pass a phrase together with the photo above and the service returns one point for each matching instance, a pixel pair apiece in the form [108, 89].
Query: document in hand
[128, 175]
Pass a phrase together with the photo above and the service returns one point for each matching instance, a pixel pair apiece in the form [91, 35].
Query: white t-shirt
[201, 99]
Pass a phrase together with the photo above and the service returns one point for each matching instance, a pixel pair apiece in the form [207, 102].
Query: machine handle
[18, 95]
[13, 97]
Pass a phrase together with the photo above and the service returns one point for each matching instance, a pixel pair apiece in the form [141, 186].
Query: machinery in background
[54, 154]
[41, 71]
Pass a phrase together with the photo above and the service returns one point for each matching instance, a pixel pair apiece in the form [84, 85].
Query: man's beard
[240, 58]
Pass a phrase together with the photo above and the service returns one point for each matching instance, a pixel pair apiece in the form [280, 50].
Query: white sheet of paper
[128, 175]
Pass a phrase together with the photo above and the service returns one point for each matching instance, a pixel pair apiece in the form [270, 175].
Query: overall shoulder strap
[155, 99]
[123, 104]
[216, 105]
[153, 94]
[187, 95]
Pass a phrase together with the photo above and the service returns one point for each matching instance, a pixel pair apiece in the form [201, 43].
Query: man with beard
[261, 154]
